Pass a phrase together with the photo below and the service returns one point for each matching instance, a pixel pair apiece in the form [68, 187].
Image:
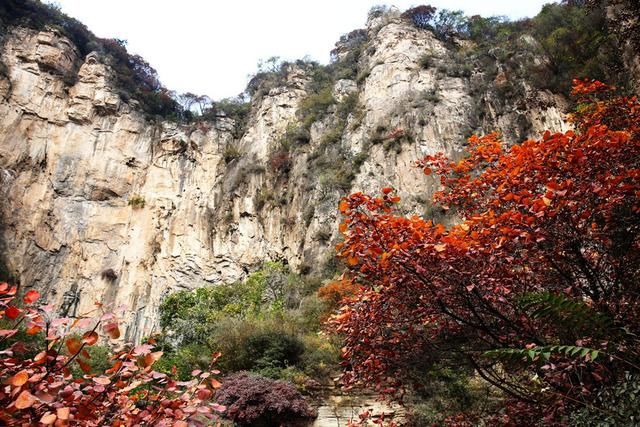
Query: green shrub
[352, 44]
[307, 315]
[236, 109]
[614, 405]
[298, 135]
[136, 202]
[333, 135]
[273, 349]
[578, 43]
[362, 76]
[315, 106]
[431, 96]
[337, 179]
[323, 235]
[321, 78]
[231, 153]
[271, 74]
[322, 355]
[425, 61]
[420, 16]
[263, 197]
[347, 106]
[259, 344]
[185, 359]
[98, 359]
[444, 392]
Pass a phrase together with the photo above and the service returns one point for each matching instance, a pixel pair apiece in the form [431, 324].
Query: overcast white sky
[211, 46]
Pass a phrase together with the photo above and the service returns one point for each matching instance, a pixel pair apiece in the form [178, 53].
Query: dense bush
[450, 23]
[34, 14]
[262, 324]
[256, 401]
[235, 108]
[612, 406]
[315, 106]
[271, 73]
[345, 56]
[198, 308]
[273, 349]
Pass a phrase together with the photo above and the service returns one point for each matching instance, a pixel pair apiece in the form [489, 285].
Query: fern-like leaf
[543, 353]
[570, 314]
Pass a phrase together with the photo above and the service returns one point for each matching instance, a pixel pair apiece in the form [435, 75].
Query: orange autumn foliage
[559, 215]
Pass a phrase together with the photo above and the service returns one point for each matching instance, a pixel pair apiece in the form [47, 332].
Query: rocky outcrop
[129, 210]
[624, 18]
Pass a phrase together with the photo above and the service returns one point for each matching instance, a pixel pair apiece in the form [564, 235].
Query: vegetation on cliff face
[503, 61]
[134, 77]
[573, 39]
[534, 289]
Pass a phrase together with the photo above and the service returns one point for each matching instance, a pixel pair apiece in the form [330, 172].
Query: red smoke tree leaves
[41, 390]
[555, 218]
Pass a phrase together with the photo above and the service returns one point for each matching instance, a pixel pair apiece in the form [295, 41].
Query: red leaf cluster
[253, 400]
[41, 389]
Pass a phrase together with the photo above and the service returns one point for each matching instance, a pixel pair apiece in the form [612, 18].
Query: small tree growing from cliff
[420, 16]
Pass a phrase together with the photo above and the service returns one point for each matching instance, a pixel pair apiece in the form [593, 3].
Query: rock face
[95, 195]
[624, 18]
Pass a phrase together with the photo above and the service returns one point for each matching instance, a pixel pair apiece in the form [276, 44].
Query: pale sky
[211, 46]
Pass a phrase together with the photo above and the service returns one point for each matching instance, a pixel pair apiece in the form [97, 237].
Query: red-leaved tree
[536, 284]
[41, 389]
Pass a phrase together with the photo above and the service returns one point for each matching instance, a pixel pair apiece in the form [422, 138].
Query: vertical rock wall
[95, 195]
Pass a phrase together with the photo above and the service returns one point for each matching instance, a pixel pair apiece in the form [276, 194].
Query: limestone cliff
[129, 210]
[624, 16]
